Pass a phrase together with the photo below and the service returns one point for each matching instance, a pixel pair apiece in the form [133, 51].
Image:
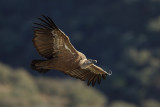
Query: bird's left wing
[92, 74]
[50, 41]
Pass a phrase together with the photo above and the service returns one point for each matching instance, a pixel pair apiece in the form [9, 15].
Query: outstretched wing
[51, 41]
[91, 74]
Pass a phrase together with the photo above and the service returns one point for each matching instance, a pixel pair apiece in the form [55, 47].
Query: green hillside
[19, 89]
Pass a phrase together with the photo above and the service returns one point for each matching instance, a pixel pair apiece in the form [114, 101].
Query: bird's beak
[94, 61]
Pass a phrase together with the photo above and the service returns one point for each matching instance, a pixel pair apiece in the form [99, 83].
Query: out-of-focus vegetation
[121, 34]
[19, 89]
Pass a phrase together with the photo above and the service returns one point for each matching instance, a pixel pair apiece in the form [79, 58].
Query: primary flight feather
[52, 44]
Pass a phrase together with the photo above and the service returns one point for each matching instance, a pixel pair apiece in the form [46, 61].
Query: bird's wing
[92, 74]
[51, 41]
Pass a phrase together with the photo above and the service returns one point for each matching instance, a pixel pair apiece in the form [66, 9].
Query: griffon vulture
[54, 45]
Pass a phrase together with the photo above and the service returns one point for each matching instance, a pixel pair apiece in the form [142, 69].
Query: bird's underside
[52, 44]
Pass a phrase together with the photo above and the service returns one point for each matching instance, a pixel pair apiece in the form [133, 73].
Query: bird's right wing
[50, 41]
[91, 74]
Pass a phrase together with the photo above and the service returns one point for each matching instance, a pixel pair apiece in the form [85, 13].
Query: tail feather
[39, 69]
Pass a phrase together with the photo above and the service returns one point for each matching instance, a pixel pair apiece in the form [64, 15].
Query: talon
[110, 72]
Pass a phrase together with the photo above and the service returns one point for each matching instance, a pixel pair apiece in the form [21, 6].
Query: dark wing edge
[47, 23]
[91, 74]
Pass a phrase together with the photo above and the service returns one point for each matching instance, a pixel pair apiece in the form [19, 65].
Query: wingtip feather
[99, 79]
[94, 80]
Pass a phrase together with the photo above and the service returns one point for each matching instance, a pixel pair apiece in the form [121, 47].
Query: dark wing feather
[99, 79]
[50, 41]
[91, 74]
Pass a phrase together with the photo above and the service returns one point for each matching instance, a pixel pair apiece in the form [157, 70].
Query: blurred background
[123, 35]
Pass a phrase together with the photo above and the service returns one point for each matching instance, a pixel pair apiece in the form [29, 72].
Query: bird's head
[91, 61]
[86, 63]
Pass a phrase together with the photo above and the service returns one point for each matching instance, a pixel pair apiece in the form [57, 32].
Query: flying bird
[54, 45]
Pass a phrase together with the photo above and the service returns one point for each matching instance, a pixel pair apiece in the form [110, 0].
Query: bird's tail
[37, 68]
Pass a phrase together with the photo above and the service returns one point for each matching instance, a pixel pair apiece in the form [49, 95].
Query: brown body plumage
[52, 44]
